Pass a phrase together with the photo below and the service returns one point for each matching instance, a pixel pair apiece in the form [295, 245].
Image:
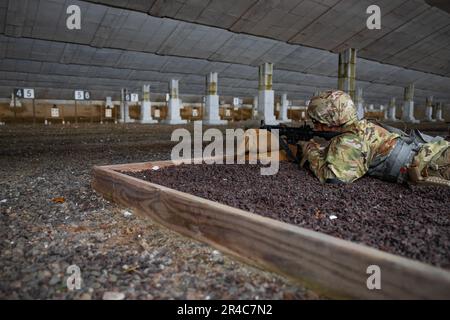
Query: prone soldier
[363, 147]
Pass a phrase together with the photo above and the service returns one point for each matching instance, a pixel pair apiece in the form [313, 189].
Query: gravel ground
[412, 222]
[50, 218]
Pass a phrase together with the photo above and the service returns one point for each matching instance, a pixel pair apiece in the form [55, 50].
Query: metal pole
[76, 113]
[122, 104]
[34, 113]
[15, 114]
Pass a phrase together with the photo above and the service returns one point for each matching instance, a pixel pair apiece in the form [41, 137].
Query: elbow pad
[334, 181]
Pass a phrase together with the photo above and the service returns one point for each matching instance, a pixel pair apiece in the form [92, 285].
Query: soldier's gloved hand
[307, 145]
[304, 148]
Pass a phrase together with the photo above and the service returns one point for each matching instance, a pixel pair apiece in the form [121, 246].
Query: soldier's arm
[315, 157]
[343, 160]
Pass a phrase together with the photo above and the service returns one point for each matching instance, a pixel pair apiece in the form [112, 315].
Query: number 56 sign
[82, 95]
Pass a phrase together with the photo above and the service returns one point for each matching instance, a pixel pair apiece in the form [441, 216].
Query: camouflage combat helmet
[333, 108]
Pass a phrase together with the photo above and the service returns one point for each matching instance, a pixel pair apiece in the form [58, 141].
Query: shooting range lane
[41, 238]
[411, 222]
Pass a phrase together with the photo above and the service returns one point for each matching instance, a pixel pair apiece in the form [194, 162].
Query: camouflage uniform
[350, 155]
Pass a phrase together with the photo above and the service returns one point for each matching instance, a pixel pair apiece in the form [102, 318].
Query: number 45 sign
[24, 93]
[82, 95]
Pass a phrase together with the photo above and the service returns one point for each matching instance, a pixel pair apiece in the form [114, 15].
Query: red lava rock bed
[413, 222]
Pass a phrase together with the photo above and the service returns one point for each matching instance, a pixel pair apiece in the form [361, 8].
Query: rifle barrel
[303, 133]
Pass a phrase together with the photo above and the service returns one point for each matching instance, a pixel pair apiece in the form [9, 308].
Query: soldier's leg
[440, 167]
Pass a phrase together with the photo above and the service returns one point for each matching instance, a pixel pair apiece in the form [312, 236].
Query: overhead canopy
[129, 43]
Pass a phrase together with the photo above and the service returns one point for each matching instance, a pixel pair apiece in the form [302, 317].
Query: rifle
[292, 135]
[302, 133]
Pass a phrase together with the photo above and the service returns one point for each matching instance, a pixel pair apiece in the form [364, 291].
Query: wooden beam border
[334, 267]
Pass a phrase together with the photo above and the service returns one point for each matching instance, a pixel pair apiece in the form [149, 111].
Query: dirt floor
[50, 218]
[412, 222]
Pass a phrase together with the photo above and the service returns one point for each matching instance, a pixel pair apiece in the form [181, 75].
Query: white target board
[194, 112]
[228, 113]
[108, 113]
[157, 113]
[55, 112]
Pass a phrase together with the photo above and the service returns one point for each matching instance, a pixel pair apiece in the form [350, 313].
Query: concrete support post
[359, 103]
[173, 111]
[211, 115]
[429, 109]
[127, 111]
[124, 109]
[347, 71]
[146, 106]
[255, 108]
[438, 113]
[392, 110]
[18, 103]
[408, 105]
[266, 100]
[385, 112]
[284, 109]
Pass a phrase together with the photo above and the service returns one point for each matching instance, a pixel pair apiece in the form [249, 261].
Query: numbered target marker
[157, 113]
[24, 93]
[28, 93]
[134, 97]
[79, 95]
[18, 93]
[194, 112]
[108, 113]
[82, 95]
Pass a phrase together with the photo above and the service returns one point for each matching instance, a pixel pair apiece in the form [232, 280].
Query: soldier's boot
[437, 173]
